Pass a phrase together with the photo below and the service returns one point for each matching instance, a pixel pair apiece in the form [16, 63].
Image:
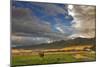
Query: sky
[35, 22]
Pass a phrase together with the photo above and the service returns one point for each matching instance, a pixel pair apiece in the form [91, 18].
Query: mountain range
[61, 44]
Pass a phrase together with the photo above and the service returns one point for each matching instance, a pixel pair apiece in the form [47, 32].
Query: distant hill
[62, 43]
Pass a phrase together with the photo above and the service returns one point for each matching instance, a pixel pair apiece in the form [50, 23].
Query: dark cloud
[30, 29]
[23, 21]
[36, 38]
[23, 40]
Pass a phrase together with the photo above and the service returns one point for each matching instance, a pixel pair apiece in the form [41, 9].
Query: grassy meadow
[52, 58]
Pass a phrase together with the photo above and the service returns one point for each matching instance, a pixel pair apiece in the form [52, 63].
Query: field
[33, 58]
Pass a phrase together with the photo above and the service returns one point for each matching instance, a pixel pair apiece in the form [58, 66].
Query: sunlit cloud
[84, 20]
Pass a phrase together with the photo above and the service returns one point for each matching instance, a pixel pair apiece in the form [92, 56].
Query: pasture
[52, 58]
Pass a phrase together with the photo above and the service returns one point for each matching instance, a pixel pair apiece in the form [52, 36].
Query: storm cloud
[26, 28]
[36, 23]
[84, 20]
[23, 21]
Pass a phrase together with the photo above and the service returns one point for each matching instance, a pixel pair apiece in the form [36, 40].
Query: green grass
[49, 59]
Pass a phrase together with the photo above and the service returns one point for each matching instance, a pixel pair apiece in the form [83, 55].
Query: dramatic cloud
[35, 23]
[23, 21]
[84, 20]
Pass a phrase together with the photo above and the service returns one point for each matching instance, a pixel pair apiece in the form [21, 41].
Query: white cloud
[84, 20]
[70, 6]
[60, 29]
